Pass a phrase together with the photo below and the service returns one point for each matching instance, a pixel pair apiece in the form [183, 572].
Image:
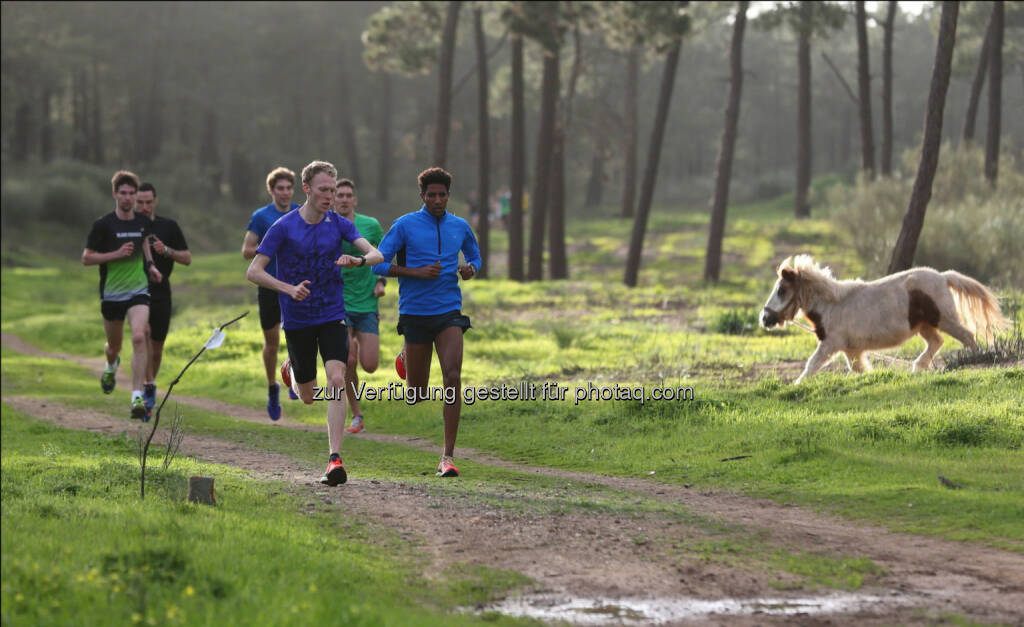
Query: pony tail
[977, 307]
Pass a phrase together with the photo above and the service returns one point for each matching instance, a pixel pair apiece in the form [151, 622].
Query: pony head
[800, 279]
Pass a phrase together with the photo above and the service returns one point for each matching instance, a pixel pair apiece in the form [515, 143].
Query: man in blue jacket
[427, 245]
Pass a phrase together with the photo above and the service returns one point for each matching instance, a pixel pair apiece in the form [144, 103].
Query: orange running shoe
[356, 426]
[446, 467]
[335, 474]
[400, 364]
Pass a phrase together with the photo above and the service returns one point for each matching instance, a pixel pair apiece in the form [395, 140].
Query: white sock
[136, 394]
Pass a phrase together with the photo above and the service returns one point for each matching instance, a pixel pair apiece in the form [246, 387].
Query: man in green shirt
[119, 244]
[362, 290]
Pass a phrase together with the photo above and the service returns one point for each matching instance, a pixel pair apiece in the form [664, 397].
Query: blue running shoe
[273, 402]
[149, 395]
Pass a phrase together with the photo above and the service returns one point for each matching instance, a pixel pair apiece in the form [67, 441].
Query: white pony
[854, 316]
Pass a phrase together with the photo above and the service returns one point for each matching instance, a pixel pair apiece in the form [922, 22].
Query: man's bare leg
[271, 345]
[138, 319]
[449, 354]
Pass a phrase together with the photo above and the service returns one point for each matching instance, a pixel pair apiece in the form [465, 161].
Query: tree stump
[200, 490]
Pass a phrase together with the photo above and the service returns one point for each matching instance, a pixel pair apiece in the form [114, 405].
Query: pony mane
[816, 282]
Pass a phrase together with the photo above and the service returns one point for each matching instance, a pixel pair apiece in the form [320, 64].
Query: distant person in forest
[281, 187]
[118, 244]
[427, 243]
[362, 291]
[307, 244]
[168, 247]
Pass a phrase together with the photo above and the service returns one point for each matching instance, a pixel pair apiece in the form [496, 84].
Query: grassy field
[867, 447]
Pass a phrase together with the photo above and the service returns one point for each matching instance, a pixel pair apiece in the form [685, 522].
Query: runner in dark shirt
[169, 247]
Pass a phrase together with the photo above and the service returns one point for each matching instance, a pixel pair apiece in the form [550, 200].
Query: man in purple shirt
[307, 246]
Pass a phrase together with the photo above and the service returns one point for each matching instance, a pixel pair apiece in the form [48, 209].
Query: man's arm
[471, 252]
[249, 245]
[371, 256]
[257, 273]
[92, 258]
[147, 264]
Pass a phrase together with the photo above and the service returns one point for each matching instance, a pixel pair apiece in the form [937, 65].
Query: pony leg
[930, 335]
[858, 361]
[954, 328]
[818, 359]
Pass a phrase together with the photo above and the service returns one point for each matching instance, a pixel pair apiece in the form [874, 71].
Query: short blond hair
[277, 174]
[318, 167]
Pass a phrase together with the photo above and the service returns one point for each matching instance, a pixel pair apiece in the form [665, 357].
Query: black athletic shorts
[330, 337]
[114, 310]
[159, 318]
[424, 329]
[270, 308]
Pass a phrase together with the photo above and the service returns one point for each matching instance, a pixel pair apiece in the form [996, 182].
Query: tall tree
[543, 161]
[889, 25]
[803, 116]
[913, 221]
[995, 94]
[345, 115]
[559, 262]
[867, 134]
[484, 149]
[384, 122]
[807, 19]
[720, 200]
[970, 117]
[517, 165]
[676, 23]
[442, 127]
[629, 130]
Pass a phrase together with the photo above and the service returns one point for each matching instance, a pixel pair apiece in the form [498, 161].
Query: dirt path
[602, 555]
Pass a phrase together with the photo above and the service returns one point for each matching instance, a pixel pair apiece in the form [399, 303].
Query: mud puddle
[602, 611]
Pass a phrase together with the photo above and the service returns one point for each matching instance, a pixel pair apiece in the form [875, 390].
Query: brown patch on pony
[815, 319]
[788, 275]
[922, 310]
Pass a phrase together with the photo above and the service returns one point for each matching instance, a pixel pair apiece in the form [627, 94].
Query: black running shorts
[424, 329]
[330, 337]
[270, 308]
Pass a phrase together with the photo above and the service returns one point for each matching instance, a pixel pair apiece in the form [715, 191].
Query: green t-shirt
[359, 282]
[120, 279]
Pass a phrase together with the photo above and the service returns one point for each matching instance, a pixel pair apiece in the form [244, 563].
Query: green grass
[80, 547]
[865, 446]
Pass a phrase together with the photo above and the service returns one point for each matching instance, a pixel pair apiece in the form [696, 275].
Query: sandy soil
[608, 555]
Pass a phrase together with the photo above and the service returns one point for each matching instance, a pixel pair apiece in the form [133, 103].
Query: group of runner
[320, 269]
[136, 251]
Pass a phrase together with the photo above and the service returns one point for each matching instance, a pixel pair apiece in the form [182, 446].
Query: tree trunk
[46, 127]
[209, 157]
[890, 23]
[21, 138]
[559, 267]
[348, 127]
[96, 122]
[803, 115]
[483, 182]
[517, 167]
[720, 201]
[906, 244]
[629, 147]
[636, 240]
[595, 182]
[995, 95]
[79, 116]
[444, 92]
[544, 164]
[967, 137]
[867, 133]
[384, 149]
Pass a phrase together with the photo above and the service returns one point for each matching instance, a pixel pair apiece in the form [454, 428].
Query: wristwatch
[362, 261]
